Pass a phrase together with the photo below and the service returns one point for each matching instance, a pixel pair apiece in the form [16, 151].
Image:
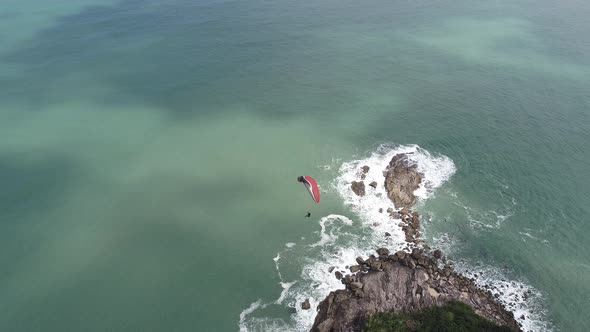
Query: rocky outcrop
[305, 305]
[364, 171]
[402, 282]
[401, 180]
[358, 188]
[410, 224]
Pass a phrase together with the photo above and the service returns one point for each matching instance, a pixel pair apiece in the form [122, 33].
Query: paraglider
[311, 186]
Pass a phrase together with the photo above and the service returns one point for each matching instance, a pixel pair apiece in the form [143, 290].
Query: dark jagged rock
[438, 254]
[355, 268]
[375, 265]
[347, 279]
[400, 254]
[358, 188]
[403, 288]
[373, 184]
[359, 293]
[356, 285]
[338, 275]
[401, 180]
[364, 171]
[416, 253]
[383, 251]
[360, 260]
[305, 305]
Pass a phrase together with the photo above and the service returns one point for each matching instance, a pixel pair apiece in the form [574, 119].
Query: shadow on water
[132, 50]
[142, 280]
[27, 188]
[282, 59]
[27, 194]
[70, 268]
[228, 54]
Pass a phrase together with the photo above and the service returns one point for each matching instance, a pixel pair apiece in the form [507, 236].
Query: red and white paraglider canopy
[311, 186]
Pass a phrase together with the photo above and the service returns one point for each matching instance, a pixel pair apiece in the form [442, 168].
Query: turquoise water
[149, 152]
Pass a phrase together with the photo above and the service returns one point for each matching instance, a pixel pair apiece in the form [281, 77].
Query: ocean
[149, 154]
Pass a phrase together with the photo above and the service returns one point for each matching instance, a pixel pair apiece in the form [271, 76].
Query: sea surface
[149, 152]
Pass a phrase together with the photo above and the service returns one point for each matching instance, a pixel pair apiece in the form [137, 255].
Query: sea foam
[342, 239]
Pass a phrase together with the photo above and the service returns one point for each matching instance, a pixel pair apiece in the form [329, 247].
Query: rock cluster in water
[403, 281]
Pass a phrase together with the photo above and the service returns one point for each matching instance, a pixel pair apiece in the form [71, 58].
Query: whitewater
[341, 239]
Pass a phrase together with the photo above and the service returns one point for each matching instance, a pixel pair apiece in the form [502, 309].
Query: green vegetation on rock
[454, 316]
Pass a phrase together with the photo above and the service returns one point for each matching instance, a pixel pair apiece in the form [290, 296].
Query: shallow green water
[149, 149]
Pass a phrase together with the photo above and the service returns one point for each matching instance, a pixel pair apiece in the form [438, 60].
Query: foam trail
[330, 237]
[244, 314]
[435, 170]
[524, 301]
[319, 282]
[339, 243]
[276, 260]
[340, 253]
[286, 286]
[516, 296]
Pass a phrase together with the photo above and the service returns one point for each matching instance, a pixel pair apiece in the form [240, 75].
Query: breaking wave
[306, 270]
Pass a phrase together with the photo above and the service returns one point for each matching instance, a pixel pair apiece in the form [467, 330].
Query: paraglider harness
[300, 179]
